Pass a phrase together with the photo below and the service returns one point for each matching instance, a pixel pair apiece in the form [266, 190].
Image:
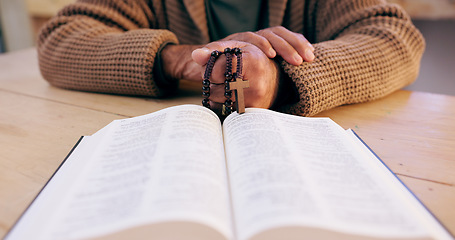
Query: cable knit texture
[364, 49]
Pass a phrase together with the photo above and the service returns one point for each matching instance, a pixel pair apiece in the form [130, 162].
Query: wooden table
[413, 133]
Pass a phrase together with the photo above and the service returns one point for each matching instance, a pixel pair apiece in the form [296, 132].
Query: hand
[292, 47]
[178, 63]
[261, 72]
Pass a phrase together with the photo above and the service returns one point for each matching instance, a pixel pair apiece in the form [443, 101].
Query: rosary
[233, 81]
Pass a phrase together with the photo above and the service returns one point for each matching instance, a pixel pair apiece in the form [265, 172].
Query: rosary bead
[228, 76]
[206, 83]
[227, 87]
[205, 102]
[216, 53]
[205, 89]
[227, 111]
[228, 103]
[239, 66]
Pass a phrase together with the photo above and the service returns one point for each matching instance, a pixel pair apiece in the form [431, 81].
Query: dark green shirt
[226, 17]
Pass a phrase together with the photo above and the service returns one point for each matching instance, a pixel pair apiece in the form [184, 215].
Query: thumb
[201, 55]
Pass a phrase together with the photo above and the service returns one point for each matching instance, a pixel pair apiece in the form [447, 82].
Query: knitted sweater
[365, 49]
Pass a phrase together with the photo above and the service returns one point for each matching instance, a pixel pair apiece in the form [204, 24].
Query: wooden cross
[238, 85]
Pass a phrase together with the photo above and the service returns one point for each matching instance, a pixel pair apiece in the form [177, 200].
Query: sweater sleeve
[105, 46]
[364, 50]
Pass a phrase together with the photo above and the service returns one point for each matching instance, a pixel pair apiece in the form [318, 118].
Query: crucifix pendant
[238, 85]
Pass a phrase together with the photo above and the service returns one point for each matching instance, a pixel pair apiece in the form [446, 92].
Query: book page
[425, 216]
[42, 209]
[293, 171]
[160, 168]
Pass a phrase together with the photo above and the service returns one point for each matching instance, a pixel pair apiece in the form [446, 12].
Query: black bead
[216, 53]
[205, 102]
[206, 89]
[228, 94]
[228, 76]
[206, 94]
[237, 51]
[206, 83]
[227, 50]
[228, 103]
[227, 85]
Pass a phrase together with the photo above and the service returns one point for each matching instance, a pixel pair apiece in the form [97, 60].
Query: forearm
[364, 61]
[92, 49]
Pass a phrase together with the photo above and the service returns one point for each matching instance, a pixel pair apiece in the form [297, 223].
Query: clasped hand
[259, 68]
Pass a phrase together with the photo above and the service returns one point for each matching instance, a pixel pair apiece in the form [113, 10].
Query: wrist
[167, 55]
[177, 62]
[161, 79]
[287, 92]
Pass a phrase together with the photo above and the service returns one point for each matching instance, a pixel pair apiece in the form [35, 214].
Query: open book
[180, 174]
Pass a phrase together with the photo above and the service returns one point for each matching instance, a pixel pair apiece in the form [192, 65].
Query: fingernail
[272, 53]
[311, 46]
[200, 52]
[203, 50]
[309, 55]
[298, 59]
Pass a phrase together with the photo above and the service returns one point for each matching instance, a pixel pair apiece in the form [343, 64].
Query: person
[300, 57]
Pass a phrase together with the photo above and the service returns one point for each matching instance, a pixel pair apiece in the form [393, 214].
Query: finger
[217, 94]
[201, 55]
[192, 71]
[219, 70]
[293, 47]
[297, 41]
[283, 48]
[259, 41]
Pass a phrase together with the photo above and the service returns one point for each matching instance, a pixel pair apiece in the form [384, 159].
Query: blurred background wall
[20, 21]
[436, 20]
